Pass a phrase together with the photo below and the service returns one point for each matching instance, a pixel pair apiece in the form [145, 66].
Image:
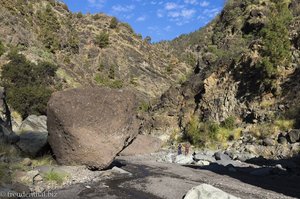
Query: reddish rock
[90, 126]
[143, 144]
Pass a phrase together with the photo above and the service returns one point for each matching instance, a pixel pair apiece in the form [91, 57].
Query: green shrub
[284, 125]
[263, 130]
[277, 46]
[189, 58]
[111, 74]
[113, 23]
[102, 39]
[79, 15]
[229, 123]
[49, 27]
[210, 133]
[128, 26]
[148, 39]
[101, 80]
[144, 106]
[56, 177]
[201, 133]
[96, 17]
[28, 85]
[29, 100]
[2, 49]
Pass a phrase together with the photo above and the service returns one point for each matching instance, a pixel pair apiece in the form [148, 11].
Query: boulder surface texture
[90, 126]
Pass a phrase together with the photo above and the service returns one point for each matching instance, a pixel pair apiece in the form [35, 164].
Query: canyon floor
[148, 178]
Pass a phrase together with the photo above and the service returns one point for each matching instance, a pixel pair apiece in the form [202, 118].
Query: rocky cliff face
[47, 31]
[228, 79]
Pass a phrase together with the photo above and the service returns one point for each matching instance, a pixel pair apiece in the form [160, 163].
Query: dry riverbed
[149, 177]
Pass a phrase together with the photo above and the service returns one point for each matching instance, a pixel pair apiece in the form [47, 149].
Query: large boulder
[206, 191]
[143, 144]
[90, 126]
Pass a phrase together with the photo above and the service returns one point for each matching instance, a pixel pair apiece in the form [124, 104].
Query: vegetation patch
[113, 23]
[276, 43]
[2, 49]
[105, 81]
[102, 39]
[208, 134]
[28, 85]
[56, 177]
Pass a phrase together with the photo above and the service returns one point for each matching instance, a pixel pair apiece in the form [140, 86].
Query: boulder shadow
[268, 176]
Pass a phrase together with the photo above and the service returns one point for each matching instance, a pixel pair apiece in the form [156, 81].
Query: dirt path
[151, 179]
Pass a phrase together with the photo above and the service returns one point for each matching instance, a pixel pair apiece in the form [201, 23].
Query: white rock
[206, 191]
[203, 163]
[119, 170]
[182, 159]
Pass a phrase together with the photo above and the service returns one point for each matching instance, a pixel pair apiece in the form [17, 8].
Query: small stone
[279, 166]
[88, 187]
[221, 156]
[38, 189]
[203, 163]
[282, 140]
[281, 107]
[37, 178]
[27, 162]
[269, 142]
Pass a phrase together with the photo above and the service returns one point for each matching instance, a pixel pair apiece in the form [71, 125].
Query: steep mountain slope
[89, 49]
[248, 68]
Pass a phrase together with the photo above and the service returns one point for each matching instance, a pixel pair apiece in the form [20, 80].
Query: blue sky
[161, 20]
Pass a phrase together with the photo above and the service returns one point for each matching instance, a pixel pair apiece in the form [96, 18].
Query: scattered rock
[203, 157]
[90, 126]
[269, 142]
[221, 156]
[203, 163]
[119, 170]
[143, 144]
[293, 136]
[37, 179]
[243, 156]
[206, 191]
[282, 139]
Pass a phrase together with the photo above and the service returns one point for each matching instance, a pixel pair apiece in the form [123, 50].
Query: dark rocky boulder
[294, 136]
[90, 126]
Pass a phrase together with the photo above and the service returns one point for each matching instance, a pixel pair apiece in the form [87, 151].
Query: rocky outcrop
[206, 191]
[143, 144]
[90, 126]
